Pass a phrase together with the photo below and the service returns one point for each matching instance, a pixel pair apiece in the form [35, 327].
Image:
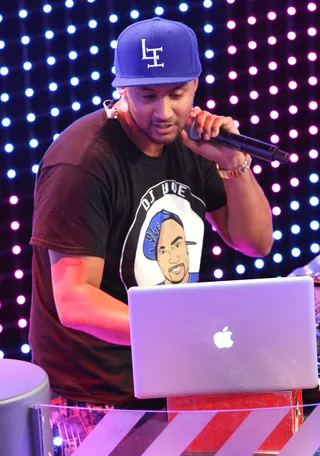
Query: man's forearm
[97, 313]
[249, 215]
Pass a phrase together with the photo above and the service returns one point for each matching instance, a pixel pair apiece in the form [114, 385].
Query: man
[99, 185]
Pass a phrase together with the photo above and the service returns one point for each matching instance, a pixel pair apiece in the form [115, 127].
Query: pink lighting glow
[272, 40]
[21, 300]
[313, 154]
[276, 210]
[18, 274]
[231, 25]
[233, 75]
[252, 45]
[274, 114]
[273, 90]
[292, 85]
[312, 56]
[234, 99]
[276, 188]
[13, 199]
[252, 20]
[15, 226]
[294, 182]
[313, 105]
[272, 66]
[293, 134]
[291, 11]
[313, 80]
[257, 169]
[254, 95]
[275, 164]
[291, 36]
[22, 323]
[272, 16]
[293, 109]
[313, 130]
[216, 250]
[254, 119]
[274, 139]
[294, 158]
[211, 104]
[312, 31]
[292, 60]
[312, 6]
[16, 249]
[253, 70]
[232, 49]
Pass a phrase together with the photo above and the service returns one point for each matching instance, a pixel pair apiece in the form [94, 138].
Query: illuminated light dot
[295, 229]
[74, 81]
[21, 300]
[231, 25]
[257, 169]
[218, 274]
[54, 112]
[291, 36]
[313, 153]
[231, 1]
[277, 257]
[240, 269]
[255, 119]
[314, 178]
[114, 18]
[272, 16]
[294, 205]
[116, 94]
[25, 40]
[209, 54]
[313, 105]
[6, 122]
[272, 40]
[51, 60]
[273, 90]
[47, 8]
[92, 24]
[252, 45]
[276, 188]
[25, 348]
[216, 250]
[312, 7]
[135, 14]
[293, 109]
[207, 3]
[254, 95]
[96, 100]
[312, 56]
[113, 44]
[71, 29]
[237, 123]
[76, 106]
[53, 86]
[253, 70]
[291, 11]
[11, 173]
[57, 441]
[314, 201]
[208, 28]
[259, 263]
[272, 66]
[312, 31]
[252, 20]
[4, 71]
[315, 248]
[211, 104]
[4, 97]
[15, 226]
[18, 274]
[1, 354]
[22, 323]
[293, 134]
[94, 50]
[210, 79]
[275, 164]
[274, 114]
[313, 130]
[73, 55]
[276, 210]
[23, 13]
[294, 182]
[274, 139]
[16, 249]
[295, 252]
[69, 3]
[9, 148]
[14, 200]
[314, 225]
[31, 117]
[234, 99]
[232, 49]
[183, 7]
[277, 235]
[232, 75]
[294, 158]
[292, 60]
[35, 169]
[33, 143]
[313, 80]
[1, 328]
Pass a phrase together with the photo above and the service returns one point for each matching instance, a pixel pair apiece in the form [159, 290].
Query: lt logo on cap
[155, 57]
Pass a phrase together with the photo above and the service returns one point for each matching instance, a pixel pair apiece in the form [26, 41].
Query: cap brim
[132, 82]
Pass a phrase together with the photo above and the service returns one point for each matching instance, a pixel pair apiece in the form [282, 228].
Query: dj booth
[241, 424]
[224, 425]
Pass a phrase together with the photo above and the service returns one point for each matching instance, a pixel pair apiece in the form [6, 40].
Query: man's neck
[138, 137]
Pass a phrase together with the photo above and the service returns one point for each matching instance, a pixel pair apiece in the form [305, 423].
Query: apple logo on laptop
[223, 339]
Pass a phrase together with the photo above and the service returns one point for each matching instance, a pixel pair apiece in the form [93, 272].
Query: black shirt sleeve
[214, 189]
[72, 211]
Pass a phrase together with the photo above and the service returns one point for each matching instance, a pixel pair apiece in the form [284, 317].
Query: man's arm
[246, 222]
[80, 302]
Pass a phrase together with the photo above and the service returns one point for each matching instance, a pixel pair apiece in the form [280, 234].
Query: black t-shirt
[98, 195]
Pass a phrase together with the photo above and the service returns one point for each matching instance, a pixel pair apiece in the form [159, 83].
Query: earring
[111, 111]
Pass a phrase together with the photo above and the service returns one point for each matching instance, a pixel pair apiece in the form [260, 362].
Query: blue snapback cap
[156, 51]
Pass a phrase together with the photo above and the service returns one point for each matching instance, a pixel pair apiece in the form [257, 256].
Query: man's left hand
[208, 125]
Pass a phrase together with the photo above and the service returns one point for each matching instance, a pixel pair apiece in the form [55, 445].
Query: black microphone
[257, 149]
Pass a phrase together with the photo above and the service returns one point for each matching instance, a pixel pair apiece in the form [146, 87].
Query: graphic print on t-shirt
[164, 243]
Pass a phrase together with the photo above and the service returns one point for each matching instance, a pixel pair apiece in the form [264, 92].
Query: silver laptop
[223, 337]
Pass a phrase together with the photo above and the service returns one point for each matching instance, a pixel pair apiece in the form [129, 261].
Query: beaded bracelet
[232, 173]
